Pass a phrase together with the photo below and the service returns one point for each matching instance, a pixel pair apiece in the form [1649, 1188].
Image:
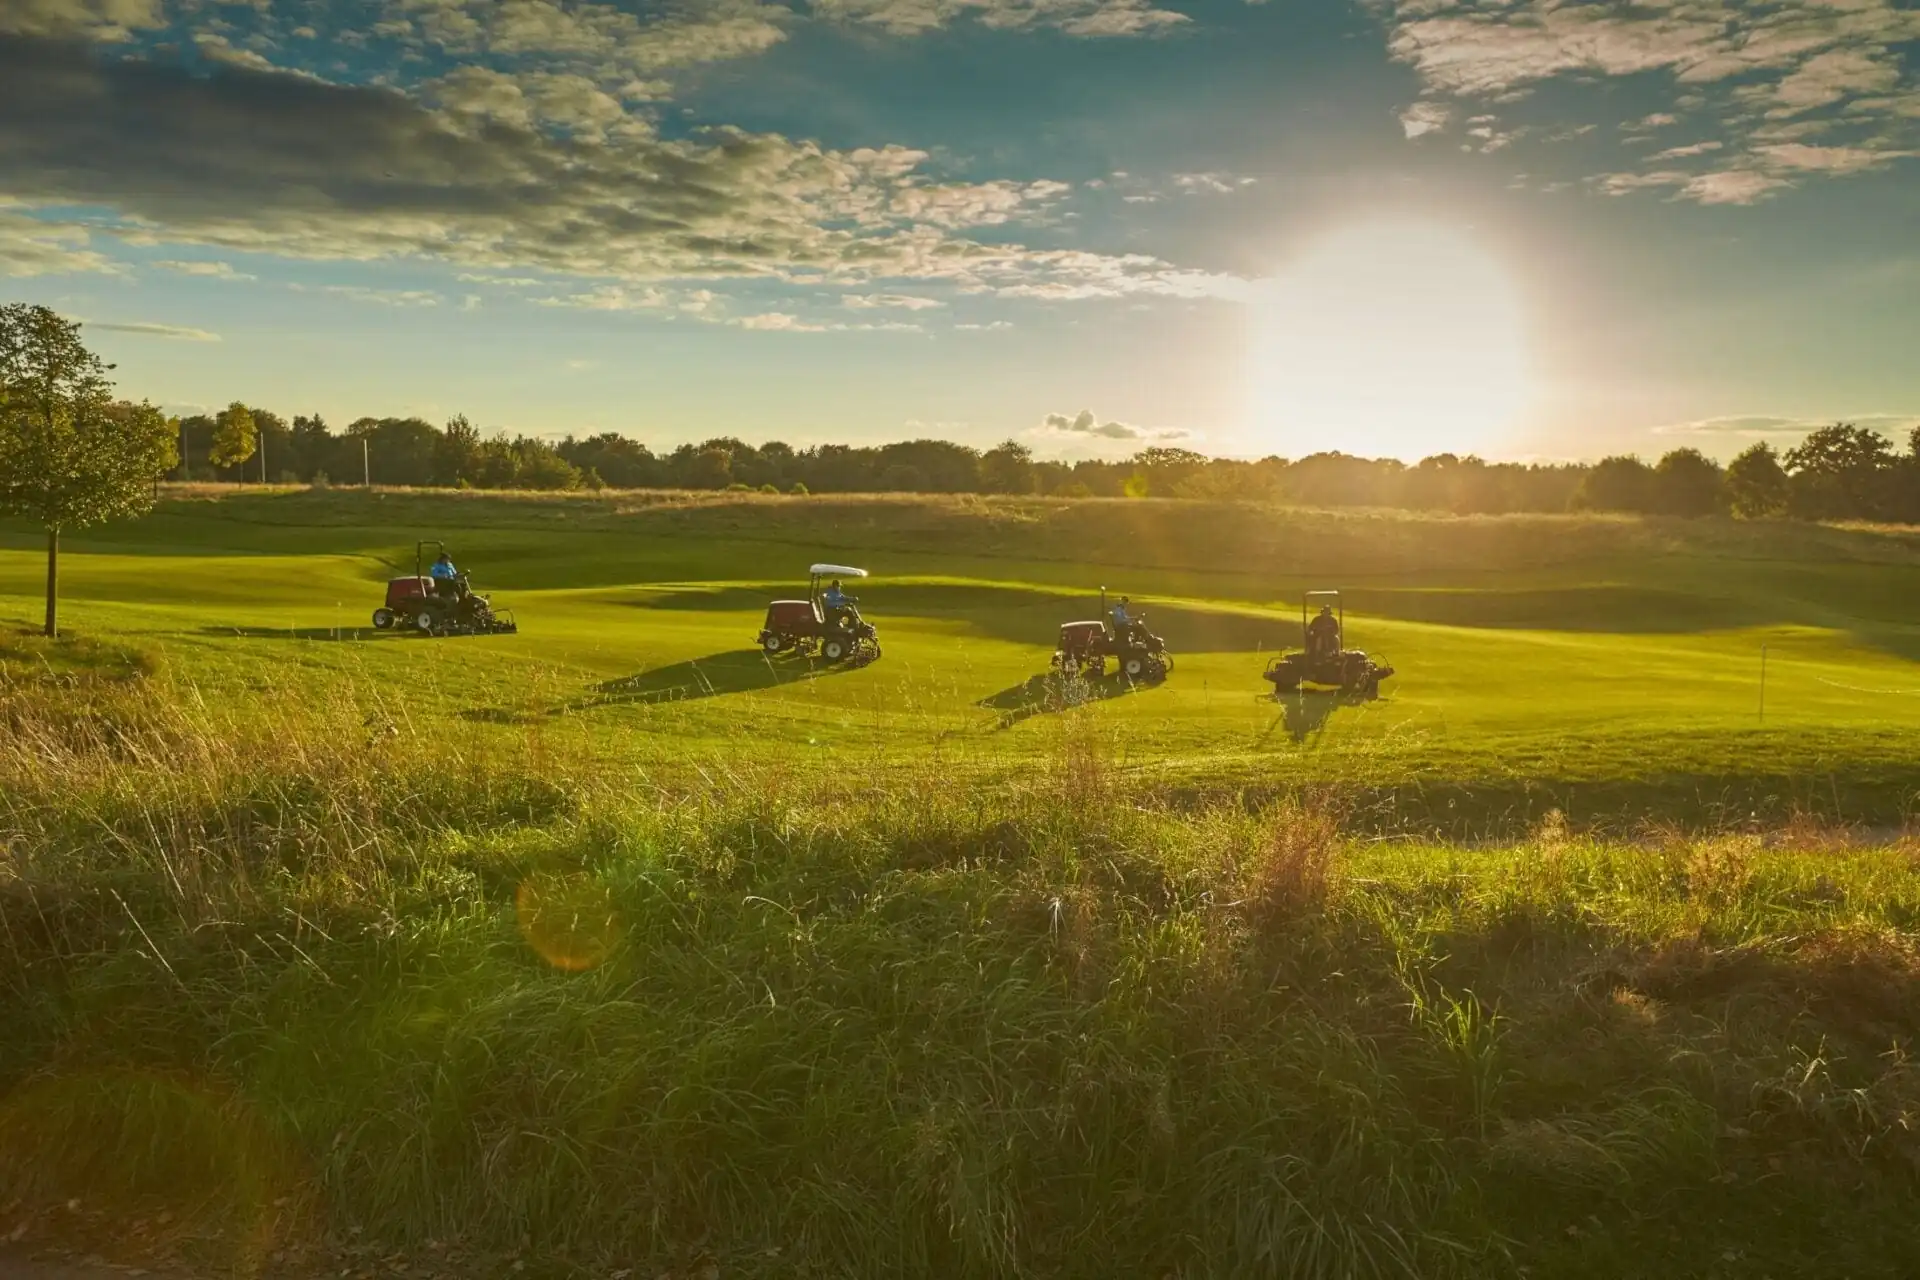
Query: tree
[457, 453]
[1620, 483]
[709, 469]
[1007, 468]
[1840, 472]
[233, 436]
[1688, 483]
[69, 456]
[1756, 485]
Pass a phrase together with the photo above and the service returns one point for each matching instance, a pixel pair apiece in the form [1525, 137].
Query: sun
[1389, 339]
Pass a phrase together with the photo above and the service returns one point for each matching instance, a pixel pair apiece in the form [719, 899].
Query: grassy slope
[1593, 664]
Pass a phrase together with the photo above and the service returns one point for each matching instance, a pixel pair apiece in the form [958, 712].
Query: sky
[1524, 228]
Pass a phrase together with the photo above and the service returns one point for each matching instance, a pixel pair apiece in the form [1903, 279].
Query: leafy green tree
[1007, 468]
[70, 456]
[1620, 483]
[1756, 484]
[1840, 472]
[457, 453]
[311, 446]
[1688, 483]
[234, 437]
[709, 469]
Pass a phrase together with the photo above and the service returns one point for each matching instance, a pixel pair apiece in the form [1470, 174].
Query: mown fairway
[1600, 665]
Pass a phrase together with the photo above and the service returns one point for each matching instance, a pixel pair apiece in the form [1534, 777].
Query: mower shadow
[732, 671]
[1305, 712]
[1050, 692]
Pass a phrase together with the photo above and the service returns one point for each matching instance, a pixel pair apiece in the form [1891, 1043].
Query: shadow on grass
[734, 671]
[1052, 692]
[1304, 712]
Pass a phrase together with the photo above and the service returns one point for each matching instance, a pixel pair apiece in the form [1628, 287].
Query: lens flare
[568, 920]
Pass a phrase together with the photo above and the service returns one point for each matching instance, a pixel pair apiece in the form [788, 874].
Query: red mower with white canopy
[828, 621]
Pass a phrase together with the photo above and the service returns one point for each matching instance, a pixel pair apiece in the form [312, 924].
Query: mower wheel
[423, 622]
[833, 648]
[383, 619]
[773, 644]
[1134, 666]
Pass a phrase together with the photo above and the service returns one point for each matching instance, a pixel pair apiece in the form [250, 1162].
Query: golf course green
[1593, 664]
[615, 948]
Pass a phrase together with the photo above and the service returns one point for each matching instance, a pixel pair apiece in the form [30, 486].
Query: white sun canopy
[836, 571]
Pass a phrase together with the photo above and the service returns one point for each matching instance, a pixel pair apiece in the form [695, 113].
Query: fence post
[1763, 684]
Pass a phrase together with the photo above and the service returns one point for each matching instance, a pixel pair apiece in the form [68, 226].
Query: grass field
[1602, 667]
[611, 948]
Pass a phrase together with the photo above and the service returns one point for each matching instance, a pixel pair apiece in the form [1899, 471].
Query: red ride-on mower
[836, 632]
[420, 604]
[1327, 661]
[1086, 646]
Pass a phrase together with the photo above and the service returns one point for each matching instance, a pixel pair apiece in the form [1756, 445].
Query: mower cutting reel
[1325, 660]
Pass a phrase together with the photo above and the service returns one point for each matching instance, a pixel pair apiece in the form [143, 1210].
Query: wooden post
[53, 582]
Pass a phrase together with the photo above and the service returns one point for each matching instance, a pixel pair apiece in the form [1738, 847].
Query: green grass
[606, 946]
[1608, 668]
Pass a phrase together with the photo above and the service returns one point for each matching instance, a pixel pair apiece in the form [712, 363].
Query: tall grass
[335, 968]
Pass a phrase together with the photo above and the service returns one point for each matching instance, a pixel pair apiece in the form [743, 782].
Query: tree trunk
[53, 582]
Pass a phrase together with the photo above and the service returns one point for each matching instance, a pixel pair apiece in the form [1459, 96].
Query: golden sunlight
[1391, 339]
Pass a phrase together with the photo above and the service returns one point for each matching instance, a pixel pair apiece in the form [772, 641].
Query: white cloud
[151, 330]
[1090, 18]
[1424, 117]
[202, 267]
[1086, 425]
[380, 297]
[31, 247]
[102, 20]
[1825, 69]
[873, 301]
[1211, 183]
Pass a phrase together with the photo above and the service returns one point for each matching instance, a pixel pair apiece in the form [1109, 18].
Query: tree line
[1842, 471]
[73, 454]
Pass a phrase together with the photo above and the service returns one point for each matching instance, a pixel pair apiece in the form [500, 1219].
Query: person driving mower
[446, 578]
[839, 606]
[1125, 625]
[1323, 634]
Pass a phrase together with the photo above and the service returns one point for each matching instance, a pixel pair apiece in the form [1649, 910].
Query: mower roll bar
[1340, 608]
[420, 551]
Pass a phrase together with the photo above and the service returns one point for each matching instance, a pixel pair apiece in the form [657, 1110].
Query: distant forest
[1838, 472]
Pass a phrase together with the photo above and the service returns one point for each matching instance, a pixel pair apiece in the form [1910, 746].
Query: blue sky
[1529, 227]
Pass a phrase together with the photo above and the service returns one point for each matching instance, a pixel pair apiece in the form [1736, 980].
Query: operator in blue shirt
[444, 575]
[838, 603]
[1122, 620]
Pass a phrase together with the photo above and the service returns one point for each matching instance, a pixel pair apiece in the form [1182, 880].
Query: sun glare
[1393, 339]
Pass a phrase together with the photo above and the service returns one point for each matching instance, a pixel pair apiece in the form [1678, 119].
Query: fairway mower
[1326, 661]
[835, 631]
[439, 608]
[1086, 646]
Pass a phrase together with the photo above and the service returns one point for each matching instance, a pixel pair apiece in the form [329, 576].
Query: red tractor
[1137, 653]
[423, 603]
[826, 621]
[1326, 660]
